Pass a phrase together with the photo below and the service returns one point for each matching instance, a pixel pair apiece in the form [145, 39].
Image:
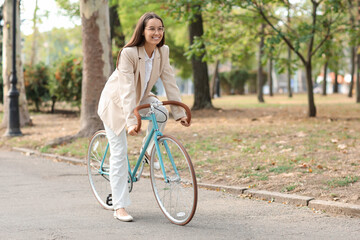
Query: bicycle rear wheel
[98, 169]
[177, 194]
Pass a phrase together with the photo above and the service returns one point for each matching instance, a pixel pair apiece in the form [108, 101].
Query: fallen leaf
[334, 140]
[319, 167]
[304, 165]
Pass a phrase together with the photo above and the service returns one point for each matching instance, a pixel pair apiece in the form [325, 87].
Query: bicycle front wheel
[98, 165]
[176, 193]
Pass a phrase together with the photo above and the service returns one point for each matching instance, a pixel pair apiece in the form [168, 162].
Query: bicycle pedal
[109, 200]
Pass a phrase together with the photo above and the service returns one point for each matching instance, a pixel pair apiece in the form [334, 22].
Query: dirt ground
[271, 148]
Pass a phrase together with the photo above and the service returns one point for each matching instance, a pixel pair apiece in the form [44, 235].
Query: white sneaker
[127, 218]
[157, 165]
[147, 157]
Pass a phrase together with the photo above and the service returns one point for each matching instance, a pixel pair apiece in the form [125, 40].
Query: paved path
[44, 199]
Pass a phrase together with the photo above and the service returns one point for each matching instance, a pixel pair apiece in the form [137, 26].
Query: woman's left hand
[184, 122]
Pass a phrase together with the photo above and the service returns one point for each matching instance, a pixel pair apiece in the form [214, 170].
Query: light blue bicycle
[174, 183]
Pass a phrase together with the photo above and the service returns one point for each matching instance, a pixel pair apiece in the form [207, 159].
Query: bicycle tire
[177, 195]
[100, 183]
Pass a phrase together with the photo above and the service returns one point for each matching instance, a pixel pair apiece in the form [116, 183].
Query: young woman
[139, 65]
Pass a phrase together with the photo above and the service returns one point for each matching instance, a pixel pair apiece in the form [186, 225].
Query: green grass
[289, 188]
[342, 182]
[78, 148]
[258, 176]
[44, 149]
[280, 169]
[278, 101]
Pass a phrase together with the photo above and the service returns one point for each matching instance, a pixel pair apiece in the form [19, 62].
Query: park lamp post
[13, 128]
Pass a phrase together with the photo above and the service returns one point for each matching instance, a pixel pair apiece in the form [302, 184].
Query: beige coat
[123, 89]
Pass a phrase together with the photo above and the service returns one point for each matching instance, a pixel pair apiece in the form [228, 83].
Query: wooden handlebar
[180, 104]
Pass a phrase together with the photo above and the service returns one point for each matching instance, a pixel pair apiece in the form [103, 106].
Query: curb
[336, 207]
[280, 197]
[30, 152]
[326, 206]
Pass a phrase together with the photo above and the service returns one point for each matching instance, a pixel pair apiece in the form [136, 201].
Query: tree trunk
[270, 79]
[336, 83]
[324, 80]
[311, 103]
[358, 74]
[289, 74]
[260, 76]
[358, 60]
[215, 81]
[35, 36]
[7, 65]
[352, 71]
[96, 61]
[116, 34]
[202, 97]
[289, 59]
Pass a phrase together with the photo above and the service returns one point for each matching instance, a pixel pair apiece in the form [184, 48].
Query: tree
[117, 36]
[96, 61]
[270, 79]
[202, 97]
[192, 13]
[353, 47]
[289, 58]
[215, 81]
[358, 57]
[7, 65]
[325, 77]
[308, 36]
[260, 75]
[35, 36]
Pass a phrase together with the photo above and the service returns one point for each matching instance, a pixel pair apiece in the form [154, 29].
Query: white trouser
[118, 156]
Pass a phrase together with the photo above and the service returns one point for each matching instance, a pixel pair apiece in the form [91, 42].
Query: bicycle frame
[155, 133]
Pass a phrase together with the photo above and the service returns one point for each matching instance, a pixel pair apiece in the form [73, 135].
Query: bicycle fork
[158, 134]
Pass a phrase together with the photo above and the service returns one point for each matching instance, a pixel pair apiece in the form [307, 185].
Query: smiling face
[153, 32]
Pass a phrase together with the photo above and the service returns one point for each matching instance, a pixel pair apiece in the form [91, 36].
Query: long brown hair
[138, 38]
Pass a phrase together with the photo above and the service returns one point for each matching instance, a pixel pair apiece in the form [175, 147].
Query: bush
[36, 79]
[66, 83]
[225, 82]
[233, 82]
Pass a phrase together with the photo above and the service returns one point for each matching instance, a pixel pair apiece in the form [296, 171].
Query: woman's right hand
[131, 130]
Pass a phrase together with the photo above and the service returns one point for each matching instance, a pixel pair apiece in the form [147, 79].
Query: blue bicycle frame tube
[141, 156]
[158, 134]
[171, 158]
[103, 160]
